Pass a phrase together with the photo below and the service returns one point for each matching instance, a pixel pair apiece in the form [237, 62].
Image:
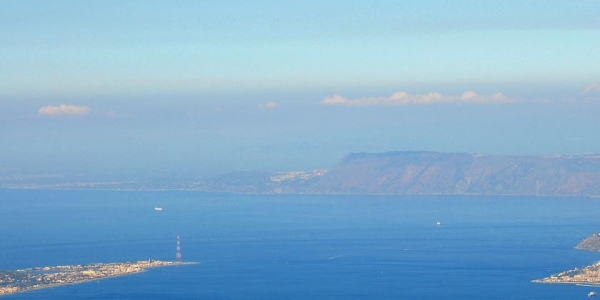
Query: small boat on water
[592, 294]
[158, 208]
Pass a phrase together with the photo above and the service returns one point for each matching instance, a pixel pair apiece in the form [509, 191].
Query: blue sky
[138, 88]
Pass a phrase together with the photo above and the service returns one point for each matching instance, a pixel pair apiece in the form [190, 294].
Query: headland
[591, 243]
[24, 280]
[589, 275]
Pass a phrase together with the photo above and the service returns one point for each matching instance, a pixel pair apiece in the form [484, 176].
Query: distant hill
[393, 173]
[411, 173]
[591, 243]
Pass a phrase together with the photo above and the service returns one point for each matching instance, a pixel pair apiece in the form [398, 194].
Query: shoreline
[102, 277]
[589, 275]
[582, 283]
[158, 190]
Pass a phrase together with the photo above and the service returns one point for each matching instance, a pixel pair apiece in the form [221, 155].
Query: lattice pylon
[178, 253]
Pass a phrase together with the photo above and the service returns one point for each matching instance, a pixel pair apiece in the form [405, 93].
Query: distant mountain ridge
[391, 173]
[422, 172]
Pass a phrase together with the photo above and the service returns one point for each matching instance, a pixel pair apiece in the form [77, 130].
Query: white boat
[158, 208]
[591, 294]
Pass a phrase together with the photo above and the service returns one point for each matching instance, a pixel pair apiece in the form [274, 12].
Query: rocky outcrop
[591, 243]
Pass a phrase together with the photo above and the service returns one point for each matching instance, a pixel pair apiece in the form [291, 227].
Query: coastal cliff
[413, 173]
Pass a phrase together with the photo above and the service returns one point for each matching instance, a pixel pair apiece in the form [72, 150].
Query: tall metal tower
[178, 254]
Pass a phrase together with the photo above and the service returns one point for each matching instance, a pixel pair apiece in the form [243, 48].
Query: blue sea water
[301, 247]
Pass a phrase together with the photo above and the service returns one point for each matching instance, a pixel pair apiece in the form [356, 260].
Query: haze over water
[100, 92]
[301, 247]
[126, 91]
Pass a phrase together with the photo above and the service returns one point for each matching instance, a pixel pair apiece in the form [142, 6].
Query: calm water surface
[301, 247]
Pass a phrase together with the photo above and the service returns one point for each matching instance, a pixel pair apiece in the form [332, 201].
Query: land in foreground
[587, 275]
[45, 277]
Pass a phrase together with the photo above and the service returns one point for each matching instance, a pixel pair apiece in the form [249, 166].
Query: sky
[131, 89]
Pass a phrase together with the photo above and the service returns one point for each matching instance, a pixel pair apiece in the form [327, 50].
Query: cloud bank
[64, 110]
[404, 98]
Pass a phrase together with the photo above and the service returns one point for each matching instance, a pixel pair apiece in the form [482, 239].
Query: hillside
[591, 243]
[392, 173]
[462, 173]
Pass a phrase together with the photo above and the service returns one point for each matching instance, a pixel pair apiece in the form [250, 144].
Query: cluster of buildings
[590, 274]
[298, 175]
[43, 277]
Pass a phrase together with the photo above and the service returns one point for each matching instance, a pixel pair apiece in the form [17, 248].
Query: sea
[301, 246]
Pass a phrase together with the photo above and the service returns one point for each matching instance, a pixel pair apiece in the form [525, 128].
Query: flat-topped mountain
[419, 172]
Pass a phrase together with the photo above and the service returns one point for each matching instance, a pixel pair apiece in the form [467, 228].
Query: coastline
[589, 275]
[158, 190]
[582, 283]
[142, 269]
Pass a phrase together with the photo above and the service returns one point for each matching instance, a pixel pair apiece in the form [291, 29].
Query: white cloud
[64, 110]
[268, 106]
[404, 98]
[591, 89]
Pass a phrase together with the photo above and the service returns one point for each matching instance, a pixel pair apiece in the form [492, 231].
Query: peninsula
[45, 277]
[587, 275]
